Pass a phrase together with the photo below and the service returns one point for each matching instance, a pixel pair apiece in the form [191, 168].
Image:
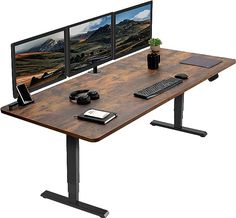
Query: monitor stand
[95, 70]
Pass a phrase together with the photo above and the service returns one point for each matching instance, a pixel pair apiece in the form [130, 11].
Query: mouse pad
[201, 61]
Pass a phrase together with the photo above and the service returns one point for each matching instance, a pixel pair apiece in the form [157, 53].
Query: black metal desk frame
[73, 179]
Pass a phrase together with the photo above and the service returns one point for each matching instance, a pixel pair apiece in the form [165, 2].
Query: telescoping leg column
[178, 119]
[73, 183]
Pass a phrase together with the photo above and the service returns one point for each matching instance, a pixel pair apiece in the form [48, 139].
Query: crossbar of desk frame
[73, 179]
[178, 119]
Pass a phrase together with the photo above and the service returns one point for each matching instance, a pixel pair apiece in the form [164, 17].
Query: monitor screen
[39, 61]
[90, 43]
[133, 29]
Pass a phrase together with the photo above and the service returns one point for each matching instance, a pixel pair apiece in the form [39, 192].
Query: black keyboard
[158, 88]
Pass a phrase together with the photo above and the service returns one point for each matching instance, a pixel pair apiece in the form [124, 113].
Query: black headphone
[84, 96]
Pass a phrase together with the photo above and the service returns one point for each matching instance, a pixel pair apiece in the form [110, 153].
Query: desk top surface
[116, 85]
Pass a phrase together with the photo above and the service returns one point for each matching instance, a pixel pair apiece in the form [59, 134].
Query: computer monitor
[133, 29]
[90, 43]
[39, 61]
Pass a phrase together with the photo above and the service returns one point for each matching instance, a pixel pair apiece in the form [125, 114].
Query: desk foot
[76, 204]
[72, 147]
[182, 129]
[178, 117]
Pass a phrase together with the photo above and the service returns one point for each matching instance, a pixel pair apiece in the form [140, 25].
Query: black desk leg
[73, 182]
[178, 118]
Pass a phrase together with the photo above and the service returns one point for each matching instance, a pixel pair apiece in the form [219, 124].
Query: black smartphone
[24, 94]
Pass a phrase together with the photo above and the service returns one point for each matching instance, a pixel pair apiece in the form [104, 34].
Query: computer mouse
[181, 76]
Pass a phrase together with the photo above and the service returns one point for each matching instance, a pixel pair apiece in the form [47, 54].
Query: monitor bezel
[13, 53]
[99, 62]
[114, 30]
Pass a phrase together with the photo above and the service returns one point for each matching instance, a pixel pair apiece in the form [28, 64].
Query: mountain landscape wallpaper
[40, 61]
[90, 42]
[133, 29]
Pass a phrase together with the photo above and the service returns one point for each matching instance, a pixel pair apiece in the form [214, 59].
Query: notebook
[97, 116]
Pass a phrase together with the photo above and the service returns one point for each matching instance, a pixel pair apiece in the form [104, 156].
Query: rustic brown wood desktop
[116, 85]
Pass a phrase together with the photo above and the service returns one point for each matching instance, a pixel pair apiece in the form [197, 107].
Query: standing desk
[116, 85]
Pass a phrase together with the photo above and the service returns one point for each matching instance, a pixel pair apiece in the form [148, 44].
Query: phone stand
[21, 103]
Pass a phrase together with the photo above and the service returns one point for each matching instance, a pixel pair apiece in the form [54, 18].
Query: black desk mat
[201, 61]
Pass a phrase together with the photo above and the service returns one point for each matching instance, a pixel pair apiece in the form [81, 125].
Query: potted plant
[155, 44]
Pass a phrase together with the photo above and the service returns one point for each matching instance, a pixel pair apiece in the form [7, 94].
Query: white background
[139, 171]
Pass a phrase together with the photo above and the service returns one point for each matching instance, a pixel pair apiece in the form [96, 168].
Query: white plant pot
[155, 48]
